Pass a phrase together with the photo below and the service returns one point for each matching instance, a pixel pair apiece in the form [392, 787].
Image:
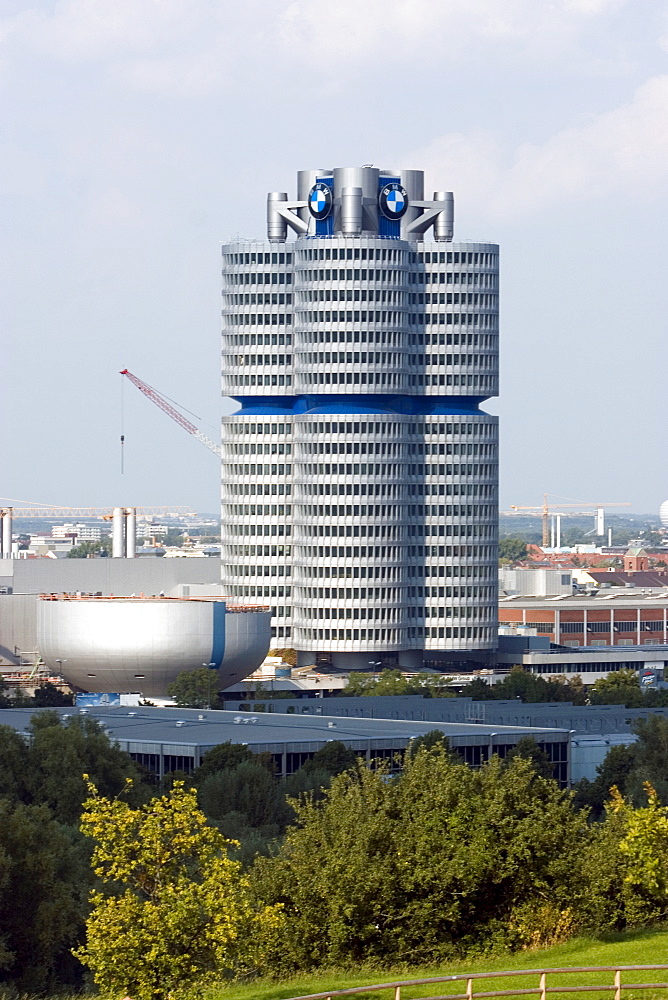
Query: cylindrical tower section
[6, 535]
[277, 227]
[365, 178]
[353, 589]
[457, 302]
[460, 534]
[118, 533]
[257, 319]
[130, 532]
[444, 226]
[351, 211]
[352, 318]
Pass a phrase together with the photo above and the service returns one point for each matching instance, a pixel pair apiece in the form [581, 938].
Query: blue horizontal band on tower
[290, 406]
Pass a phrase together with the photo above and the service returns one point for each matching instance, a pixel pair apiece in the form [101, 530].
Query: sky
[137, 135]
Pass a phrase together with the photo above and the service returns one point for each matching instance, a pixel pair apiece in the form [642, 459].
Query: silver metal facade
[121, 644]
[359, 477]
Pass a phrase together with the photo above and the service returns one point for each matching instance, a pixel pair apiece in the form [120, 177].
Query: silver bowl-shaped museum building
[142, 643]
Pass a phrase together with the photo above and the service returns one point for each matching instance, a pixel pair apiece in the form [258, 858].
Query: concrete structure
[539, 582]
[143, 644]
[164, 740]
[124, 533]
[610, 618]
[359, 476]
[6, 519]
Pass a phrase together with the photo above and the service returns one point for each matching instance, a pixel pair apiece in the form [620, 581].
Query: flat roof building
[164, 740]
[359, 475]
[612, 617]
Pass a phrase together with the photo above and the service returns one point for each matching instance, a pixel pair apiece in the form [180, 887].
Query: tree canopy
[512, 549]
[422, 866]
[195, 688]
[174, 907]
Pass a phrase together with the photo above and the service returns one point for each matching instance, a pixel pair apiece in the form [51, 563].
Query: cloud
[197, 47]
[353, 31]
[622, 150]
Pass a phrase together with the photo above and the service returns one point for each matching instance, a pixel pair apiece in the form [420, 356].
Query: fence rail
[541, 990]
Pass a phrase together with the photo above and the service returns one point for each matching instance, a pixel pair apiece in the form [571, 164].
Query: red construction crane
[159, 400]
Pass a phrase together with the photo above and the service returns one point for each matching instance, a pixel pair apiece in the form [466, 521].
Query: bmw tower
[360, 474]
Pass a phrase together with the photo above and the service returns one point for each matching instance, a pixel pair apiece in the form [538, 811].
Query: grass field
[634, 948]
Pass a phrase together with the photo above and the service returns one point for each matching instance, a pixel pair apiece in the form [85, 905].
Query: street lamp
[209, 666]
[374, 664]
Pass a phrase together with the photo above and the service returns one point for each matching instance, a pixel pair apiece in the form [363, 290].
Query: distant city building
[82, 532]
[147, 529]
[359, 476]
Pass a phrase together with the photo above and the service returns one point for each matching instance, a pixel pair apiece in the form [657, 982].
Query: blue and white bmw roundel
[320, 200]
[393, 201]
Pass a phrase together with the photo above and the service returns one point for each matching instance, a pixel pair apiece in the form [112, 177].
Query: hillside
[632, 948]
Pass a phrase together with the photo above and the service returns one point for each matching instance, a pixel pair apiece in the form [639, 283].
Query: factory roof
[204, 729]
[620, 595]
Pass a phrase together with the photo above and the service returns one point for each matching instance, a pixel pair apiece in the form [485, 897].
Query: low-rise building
[610, 618]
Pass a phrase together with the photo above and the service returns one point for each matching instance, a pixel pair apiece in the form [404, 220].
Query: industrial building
[359, 476]
[611, 617]
[164, 740]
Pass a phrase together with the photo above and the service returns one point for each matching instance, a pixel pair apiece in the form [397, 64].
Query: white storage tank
[142, 643]
[663, 513]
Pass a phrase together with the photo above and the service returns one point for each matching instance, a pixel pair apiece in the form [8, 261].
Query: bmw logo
[320, 200]
[393, 201]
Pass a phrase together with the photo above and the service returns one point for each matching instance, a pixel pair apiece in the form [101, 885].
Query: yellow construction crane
[544, 509]
[48, 510]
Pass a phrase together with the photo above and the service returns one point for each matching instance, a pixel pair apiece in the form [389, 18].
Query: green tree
[435, 738]
[650, 760]
[84, 550]
[527, 687]
[430, 864]
[195, 688]
[334, 758]
[175, 912]
[251, 793]
[15, 757]
[44, 881]
[229, 755]
[5, 699]
[60, 752]
[644, 849]
[221, 757]
[526, 748]
[50, 696]
[511, 550]
[393, 682]
[359, 683]
[619, 688]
